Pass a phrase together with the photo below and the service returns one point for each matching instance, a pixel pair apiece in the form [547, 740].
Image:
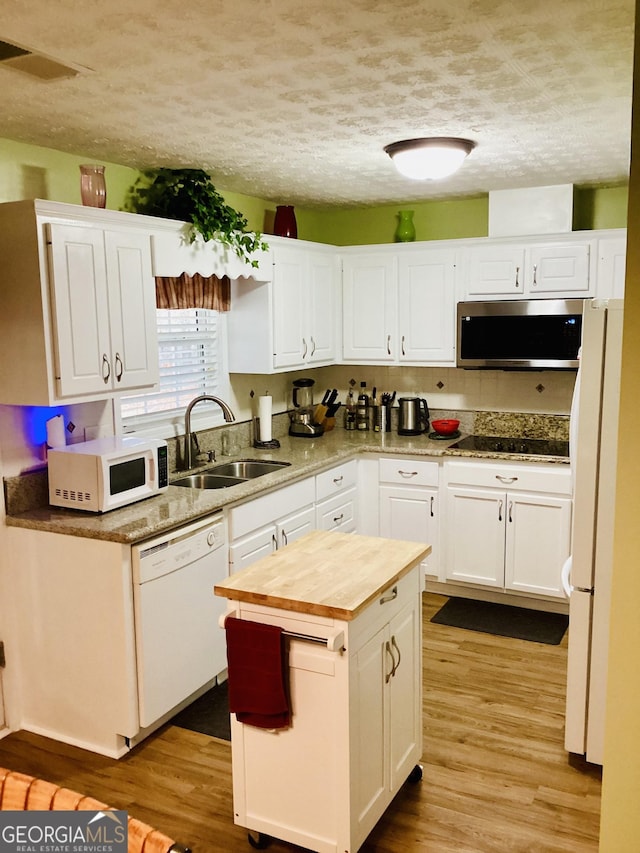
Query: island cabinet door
[405, 691]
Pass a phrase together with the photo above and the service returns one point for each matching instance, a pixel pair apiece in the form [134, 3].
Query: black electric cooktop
[497, 444]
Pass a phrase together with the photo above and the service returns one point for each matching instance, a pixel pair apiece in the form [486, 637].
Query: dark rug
[503, 620]
[208, 715]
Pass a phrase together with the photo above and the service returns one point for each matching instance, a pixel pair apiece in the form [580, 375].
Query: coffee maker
[302, 416]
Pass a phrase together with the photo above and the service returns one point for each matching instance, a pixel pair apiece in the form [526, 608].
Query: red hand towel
[257, 694]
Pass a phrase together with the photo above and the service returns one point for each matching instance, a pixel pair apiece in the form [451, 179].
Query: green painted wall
[28, 171]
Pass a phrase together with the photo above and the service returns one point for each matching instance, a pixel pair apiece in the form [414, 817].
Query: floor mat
[503, 620]
[208, 715]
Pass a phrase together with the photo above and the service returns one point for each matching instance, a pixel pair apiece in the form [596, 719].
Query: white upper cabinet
[103, 299]
[292, 320]
[399, 305]
[513, 269]
[612, 257]
[77, 304]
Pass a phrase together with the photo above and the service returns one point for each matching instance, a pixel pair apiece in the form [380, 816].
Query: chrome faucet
[226, 411]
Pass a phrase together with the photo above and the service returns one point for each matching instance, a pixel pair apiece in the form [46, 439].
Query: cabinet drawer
[552, 478]
[267, 508]
[405, 592]
[336, 480]
[409, 472]
[338, 513]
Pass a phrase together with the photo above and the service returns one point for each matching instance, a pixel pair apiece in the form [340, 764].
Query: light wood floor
[496, 777]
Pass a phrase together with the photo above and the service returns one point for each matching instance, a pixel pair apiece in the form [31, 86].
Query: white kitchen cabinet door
[132, 310]
[496, 270]
[475, 536]
[405, 687]
[80, 310]
[538, 542]
[294, 526]
[243, 552]
[323, 307]
[291, 343]
[369, 308]
[104, 310]
[612, 259]
[562, 268]
[411, 513]
[426, 306]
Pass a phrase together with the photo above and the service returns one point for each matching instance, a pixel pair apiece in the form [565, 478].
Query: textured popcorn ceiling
[293, 100]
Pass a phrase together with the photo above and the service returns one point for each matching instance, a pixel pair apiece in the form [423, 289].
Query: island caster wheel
[415, 775]
[260, 842]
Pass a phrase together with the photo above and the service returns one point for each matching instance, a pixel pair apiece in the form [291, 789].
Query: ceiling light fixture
[429, 158]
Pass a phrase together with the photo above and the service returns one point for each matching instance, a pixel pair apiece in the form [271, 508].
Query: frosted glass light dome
[431, 158]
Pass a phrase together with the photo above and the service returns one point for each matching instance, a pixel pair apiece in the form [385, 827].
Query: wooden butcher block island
[350, 610]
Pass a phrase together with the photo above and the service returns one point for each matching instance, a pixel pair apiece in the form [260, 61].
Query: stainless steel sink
[208, 481]
[229, 474]
[247, 468]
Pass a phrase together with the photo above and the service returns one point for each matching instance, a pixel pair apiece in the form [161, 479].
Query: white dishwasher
[179, 646]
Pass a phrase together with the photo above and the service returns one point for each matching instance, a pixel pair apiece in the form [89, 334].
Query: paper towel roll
[264, 413]
[56, 435]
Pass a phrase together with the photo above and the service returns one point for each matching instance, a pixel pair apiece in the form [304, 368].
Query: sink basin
[229, 474]
[208, 481]
[247, 469]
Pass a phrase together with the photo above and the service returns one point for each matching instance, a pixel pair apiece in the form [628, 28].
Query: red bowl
[445, 426]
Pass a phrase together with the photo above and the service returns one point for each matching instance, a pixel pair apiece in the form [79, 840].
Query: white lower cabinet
[356, 733]
[408, 504]
[507, 526]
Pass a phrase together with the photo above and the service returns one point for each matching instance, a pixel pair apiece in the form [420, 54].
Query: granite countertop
[309, 575]
[179, 505]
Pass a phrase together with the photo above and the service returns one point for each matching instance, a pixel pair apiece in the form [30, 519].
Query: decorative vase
[284, 224]
[406, 230]
[93, 190]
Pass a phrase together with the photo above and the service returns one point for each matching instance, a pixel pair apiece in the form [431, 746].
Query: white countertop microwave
[107, 473]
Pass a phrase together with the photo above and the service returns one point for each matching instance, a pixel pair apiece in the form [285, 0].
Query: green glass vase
[406, 230]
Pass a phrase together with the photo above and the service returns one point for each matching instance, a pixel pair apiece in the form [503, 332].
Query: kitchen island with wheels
[349, 610]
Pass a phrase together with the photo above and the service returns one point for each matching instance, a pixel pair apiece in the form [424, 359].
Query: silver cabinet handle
[338, 518]
[500, 505]
[395, 646]
[403, 352]
[388, 344]
[431, 505]
[304, 345]
[119, 367]
[313, 346]
[388, 675]
[105, 363]
[507, 480]
[274, 541]
[517, 276]
[535, 274]
[510, 509]
[406, 474]
[387, 598]
[338, 480]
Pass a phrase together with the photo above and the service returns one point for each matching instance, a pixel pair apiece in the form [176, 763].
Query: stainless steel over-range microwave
[519, 334]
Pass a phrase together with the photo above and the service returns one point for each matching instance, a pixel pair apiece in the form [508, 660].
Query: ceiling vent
[35, 64]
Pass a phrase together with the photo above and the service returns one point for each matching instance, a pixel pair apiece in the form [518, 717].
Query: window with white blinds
[191, 363]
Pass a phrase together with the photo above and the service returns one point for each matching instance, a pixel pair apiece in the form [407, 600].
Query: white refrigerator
[587, 573]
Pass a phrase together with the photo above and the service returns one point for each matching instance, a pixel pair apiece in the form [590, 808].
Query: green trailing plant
[189, 195]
